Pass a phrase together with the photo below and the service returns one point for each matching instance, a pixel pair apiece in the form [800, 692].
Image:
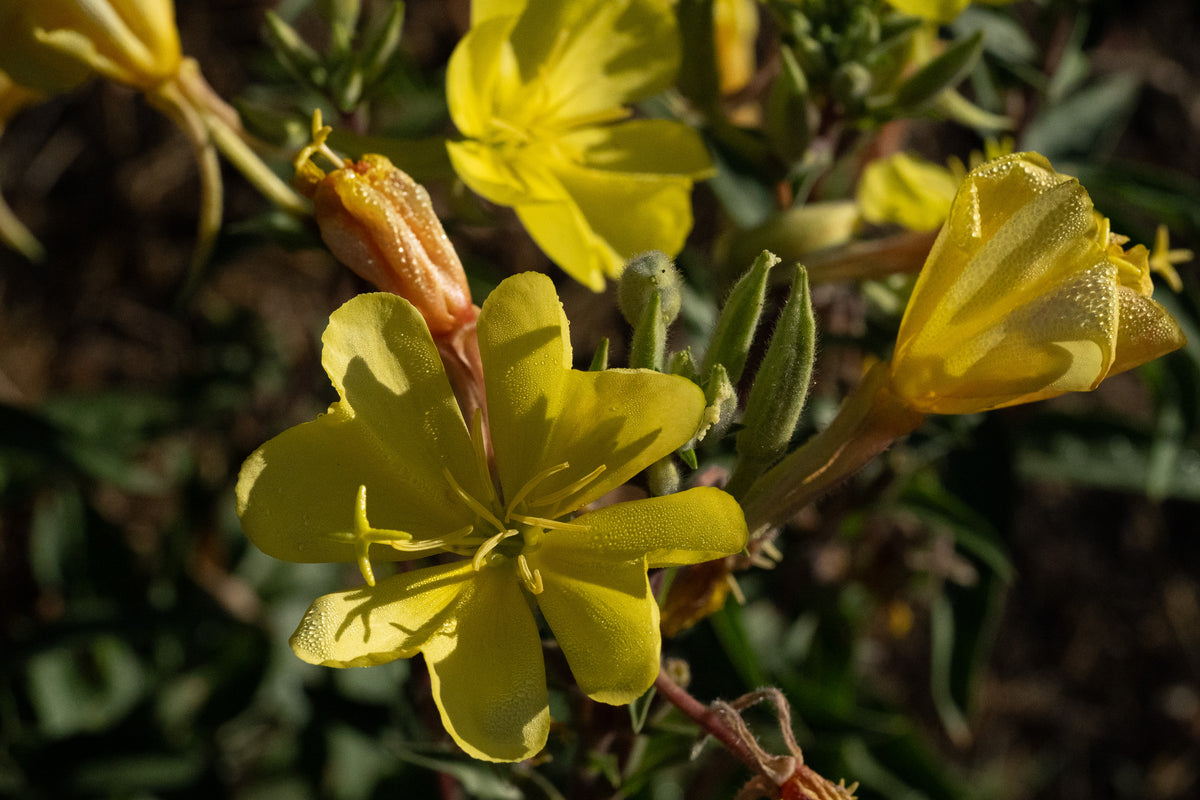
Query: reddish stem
[710, 721]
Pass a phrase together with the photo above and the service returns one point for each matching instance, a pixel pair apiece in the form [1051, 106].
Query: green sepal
[662, 477]
[600, 357]
[787, 124]
[646, 275]
[377, 55]
[697, 78]
[293, 52]
[941, 73]
[720, 406]
[780, 388]
[731, 339]
[683, 363]
[649, 338]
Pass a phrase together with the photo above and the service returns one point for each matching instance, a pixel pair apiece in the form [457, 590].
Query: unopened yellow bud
[380, 222]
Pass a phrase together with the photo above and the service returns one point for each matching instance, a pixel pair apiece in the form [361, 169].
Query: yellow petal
[487, 671]
[603, 617]
[907, 191]
[376, 624]
[480, 68]
[395, 429]
[1147, 331]
[543, 413]
[596, 55]
[685, 528]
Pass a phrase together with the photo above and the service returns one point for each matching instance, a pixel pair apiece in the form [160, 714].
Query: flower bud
[379, 222]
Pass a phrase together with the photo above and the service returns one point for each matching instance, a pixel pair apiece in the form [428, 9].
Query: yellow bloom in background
[14, 234]
[906, 190]
[939, 10]
[1023, 297]
[540, 91]
[392, 472]
[53, 45]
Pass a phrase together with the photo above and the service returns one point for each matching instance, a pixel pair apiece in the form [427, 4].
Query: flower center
[501, 531]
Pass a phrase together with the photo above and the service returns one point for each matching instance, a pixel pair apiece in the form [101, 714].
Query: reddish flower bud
[379, 222]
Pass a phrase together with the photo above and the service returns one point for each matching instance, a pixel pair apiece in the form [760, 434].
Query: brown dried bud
[379, 222]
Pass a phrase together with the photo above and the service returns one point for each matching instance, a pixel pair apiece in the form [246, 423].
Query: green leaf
[943, 72]
[1086, 124]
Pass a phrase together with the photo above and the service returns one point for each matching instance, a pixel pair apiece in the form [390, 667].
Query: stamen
[476, 506]
[437, 543]
[532, 578]
[552, 524]
[568, 490]
[481, 459]
[524, 491]
[487, 547]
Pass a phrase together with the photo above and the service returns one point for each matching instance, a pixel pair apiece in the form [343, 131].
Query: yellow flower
[540, 91]
[392, 472]
[53, 45]
[1024, 297]
[13, 98]
[906, 190]
[939, 10]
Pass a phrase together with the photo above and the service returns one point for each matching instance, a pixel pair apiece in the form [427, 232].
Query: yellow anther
[530, 484]
[476, 506]
[570, 489]
[532, 578]
[488, 546]
[552, 524]
[320, 133]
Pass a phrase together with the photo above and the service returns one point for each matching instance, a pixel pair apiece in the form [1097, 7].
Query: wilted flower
[1021, 298]
[392, 472]
[540, 91]
[379, 222]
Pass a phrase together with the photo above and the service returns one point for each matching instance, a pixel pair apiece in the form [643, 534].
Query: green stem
[870, 419]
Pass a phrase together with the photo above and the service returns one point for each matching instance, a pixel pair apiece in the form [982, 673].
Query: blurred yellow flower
[392, 472]
[939, 10]
[1024, 296]
[53, 45]
[14, 234]
[906, 190]
[540, 91]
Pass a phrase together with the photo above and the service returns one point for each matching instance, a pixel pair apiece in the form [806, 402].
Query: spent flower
[392, 472]
[541, 91]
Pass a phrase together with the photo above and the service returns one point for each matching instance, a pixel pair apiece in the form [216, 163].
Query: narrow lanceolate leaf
[780, 388]
[649, 338]
[941, 73]
[730, 343]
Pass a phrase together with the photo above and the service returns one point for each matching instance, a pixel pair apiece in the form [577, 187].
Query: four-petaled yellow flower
[391, 472]
[540, 91]
[1024, 296]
